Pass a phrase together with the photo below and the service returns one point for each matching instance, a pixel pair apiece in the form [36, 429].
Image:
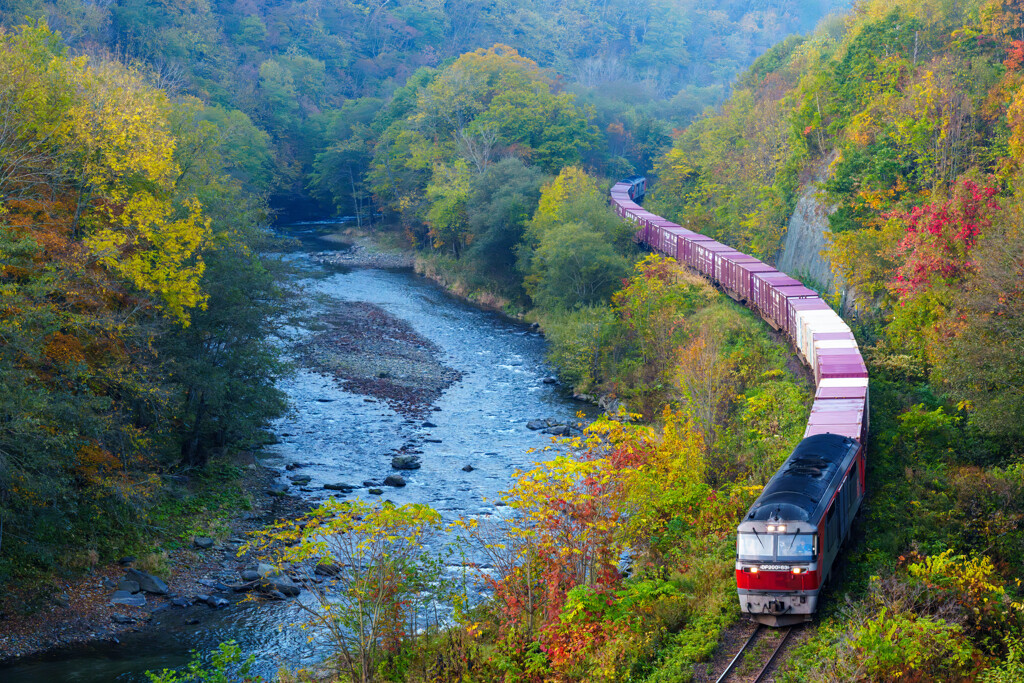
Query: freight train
[788, 541]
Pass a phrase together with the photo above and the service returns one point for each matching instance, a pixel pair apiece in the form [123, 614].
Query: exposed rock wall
[805, 236]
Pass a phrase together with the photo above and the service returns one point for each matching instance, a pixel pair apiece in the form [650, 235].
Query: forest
[145, 146]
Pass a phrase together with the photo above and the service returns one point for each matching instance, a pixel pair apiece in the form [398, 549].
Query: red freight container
[720, 261]
[735, 273]
[703, 254]
[858, 392]
[680, 235]
[778, 298]
[761, 283]
[690, 248]
[847, 364]
[745, 281]
[854, 430]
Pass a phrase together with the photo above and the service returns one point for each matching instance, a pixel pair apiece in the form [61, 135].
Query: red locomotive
[789, 540]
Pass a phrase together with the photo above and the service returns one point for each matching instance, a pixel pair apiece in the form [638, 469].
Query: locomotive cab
[786, 543]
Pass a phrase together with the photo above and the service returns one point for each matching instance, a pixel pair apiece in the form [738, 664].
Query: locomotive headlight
[771, 527]
[781, 528]
[799, 570]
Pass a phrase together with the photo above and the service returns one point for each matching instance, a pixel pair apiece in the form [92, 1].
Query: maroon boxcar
[704, 255]
[761, 284]
[779, 296]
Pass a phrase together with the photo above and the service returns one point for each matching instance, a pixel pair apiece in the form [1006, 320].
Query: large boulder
[536, 424]
[396, 480]
[405, 462]
[129, 585]
[147, 582]
[203, 542]
[126, 598]
[273, 579]
[560, 430]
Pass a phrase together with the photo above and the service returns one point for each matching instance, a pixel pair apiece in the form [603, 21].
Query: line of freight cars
[789, 540]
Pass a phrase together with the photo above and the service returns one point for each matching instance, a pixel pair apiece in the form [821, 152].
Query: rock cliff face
[805, 236]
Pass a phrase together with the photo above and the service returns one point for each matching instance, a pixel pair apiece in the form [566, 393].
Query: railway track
[747, 648]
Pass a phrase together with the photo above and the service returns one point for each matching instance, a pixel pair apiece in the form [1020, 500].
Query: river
[480, 420]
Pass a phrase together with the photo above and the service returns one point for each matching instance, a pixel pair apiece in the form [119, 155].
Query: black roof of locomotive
[806, 480]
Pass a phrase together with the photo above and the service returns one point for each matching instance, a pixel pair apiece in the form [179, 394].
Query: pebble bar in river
[476, 438]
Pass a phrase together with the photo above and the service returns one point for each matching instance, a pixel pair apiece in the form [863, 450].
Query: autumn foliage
[941, 236]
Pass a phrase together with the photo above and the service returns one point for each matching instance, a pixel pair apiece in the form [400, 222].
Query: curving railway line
[789, 540]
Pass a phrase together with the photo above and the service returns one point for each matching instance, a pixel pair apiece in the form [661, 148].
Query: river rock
[181, 602]
[405, 462]
[148, 582]
[432, 441]
[468, 468]
[300, 479]
[203, 542]
[549, 380]
[536, 424]
[560, 430]
[273, 579]
[215, 602]
[375, 492]
[396, 480]
[126, 598]
[428, 424]
[129, 585]
[327, 569]
[340, 486]
[122, 619]
[278, 489]
[250, 575]
[108, 583]
[371, 483]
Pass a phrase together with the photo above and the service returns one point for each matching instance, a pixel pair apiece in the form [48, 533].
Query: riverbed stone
[536, 424]
[375, 492]
[468, 468]
[203, 542]
[405, 462]
[126, 598]
[327, 569]
[273, 579]
[250, 575]
[339, 486]
[559, 430]
[396, 480]
[148, 582]
[215, 601]
[181, 602]
[549, 380]
[122, 619]
[300, 479]
[129, 585]
[279, 489]
[428, 424]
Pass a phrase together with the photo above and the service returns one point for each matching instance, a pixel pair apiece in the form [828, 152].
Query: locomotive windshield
[796, 548]
[778, 547]
[755, 546]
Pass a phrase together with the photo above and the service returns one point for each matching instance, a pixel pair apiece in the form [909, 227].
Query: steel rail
[782, 641]
[732, 664]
